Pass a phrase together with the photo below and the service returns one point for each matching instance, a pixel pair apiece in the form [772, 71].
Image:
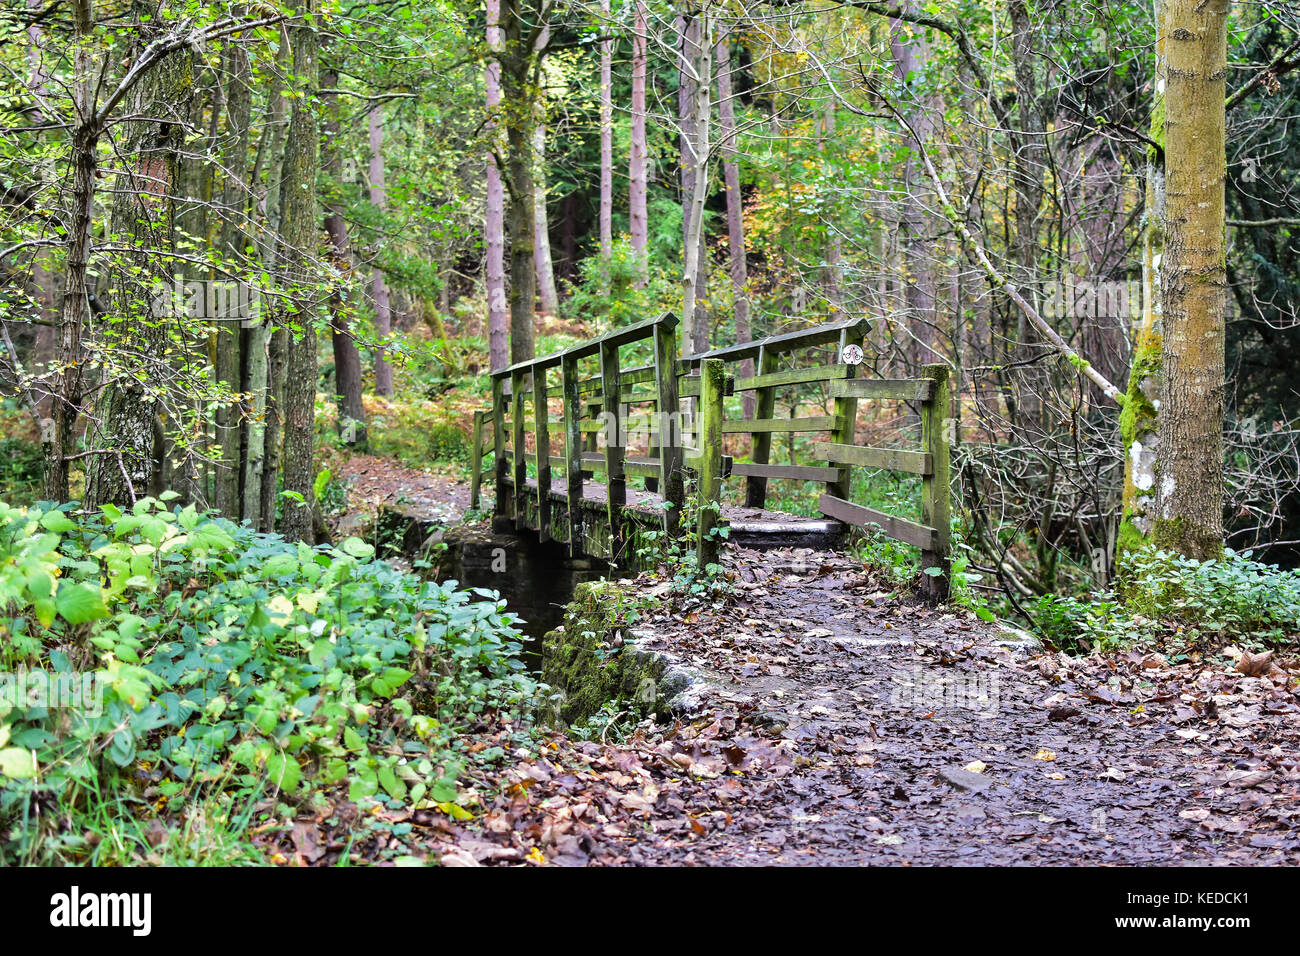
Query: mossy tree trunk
[1139, 430]
[1189, 460]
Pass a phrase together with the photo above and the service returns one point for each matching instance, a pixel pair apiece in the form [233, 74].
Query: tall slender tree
[1189, 463]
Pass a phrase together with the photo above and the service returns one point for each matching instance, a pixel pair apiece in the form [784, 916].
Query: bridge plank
[900, 389]
[819, 423]
[900, 529]
[823, 373]
[793, 472]
[893, 459]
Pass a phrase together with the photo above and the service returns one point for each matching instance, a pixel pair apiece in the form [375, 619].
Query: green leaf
[58, 522]
[79, 603]
[17, 762]
[285, 772]
[357, 548]
[984, 614]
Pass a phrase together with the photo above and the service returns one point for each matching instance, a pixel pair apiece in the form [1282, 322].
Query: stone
[965, 780]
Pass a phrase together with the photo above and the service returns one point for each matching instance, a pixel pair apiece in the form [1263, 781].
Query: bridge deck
[750, 527]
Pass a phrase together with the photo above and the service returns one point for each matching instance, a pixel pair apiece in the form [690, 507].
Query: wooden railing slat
[892, 459]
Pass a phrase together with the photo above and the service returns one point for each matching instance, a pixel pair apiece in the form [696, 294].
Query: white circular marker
[852, 355]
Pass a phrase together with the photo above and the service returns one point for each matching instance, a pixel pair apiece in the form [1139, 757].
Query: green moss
[1180, 535]
[582, 666]
[1137, 421]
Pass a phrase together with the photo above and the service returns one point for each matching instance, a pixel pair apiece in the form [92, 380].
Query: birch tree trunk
[695, 331]
[495, 227]
[1189, 462]
[606, 145]
[1139, 428]
[636, 169]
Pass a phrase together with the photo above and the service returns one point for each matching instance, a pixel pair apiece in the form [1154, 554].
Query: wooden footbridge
[572, 435]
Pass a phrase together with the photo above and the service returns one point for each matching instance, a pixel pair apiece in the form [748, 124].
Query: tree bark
[230, 359]
[735, 213]
[495, 224]
[1189, 462]
[519, 63]
[606, 215]
[125, 436]
[695, 332]
[351, 413]
[691, 123]
[636, 168]
[1139, 428]
[299, 233]
[378, 287]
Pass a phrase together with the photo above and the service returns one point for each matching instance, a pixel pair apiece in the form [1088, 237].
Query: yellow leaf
[977, 766]
[1045, 754]
[308, 600]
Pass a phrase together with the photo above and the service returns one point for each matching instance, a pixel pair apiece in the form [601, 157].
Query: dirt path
[847, 727]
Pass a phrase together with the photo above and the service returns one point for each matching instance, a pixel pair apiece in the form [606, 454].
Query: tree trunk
[495, 227]
[735, 213]
[1139, 429]
[125, 435]
[347, 360]
[519, 65]
[546, 291]
[606, 145]
[639, 222]
[1189, 463]
[915, 227]
[694, 328]
[299, 232]
[378, 287]
[230, 360]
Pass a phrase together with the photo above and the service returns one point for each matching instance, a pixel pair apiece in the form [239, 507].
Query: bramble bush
[236, 666]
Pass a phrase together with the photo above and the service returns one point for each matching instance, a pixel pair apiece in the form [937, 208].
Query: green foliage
[1177, 603]
[607, 293]
[232, 663]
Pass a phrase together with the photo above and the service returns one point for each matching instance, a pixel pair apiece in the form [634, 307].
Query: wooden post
[668, 416]
[572, 449]
[476, 461]
[499, 443]
[846, 421]
[517, 439]
[936, 489]
[615, 480]
[542, 442]
[761, 444]
[712, 389]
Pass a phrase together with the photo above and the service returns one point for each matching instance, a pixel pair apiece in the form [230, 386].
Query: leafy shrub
[232, 663]
[1234, 595]
[1173, 600]
[607, 293]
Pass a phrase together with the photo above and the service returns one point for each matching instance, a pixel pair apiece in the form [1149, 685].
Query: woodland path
[846, 725]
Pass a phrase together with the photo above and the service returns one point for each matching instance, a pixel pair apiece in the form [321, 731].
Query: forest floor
[846, 725]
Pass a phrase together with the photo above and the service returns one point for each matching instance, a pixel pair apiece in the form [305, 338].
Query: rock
[965, 780]
[1021, 644]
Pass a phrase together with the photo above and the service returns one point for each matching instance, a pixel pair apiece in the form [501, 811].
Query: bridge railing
[603, 404]
[591, 408]
[836, 456]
